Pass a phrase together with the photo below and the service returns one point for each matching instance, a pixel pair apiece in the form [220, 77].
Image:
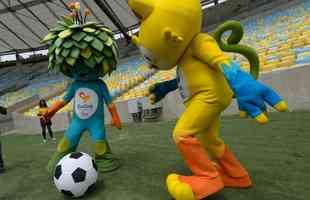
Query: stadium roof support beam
[34, 15]
[6, 43]
[20, 20]
[51, 10]
[65, 5]
[106, 8]
[44, 47]
[16, 35]
[20, 7]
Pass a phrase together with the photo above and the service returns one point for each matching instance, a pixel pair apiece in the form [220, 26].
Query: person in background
[133, 109]
[3, 111]
[45, 123]
[140, 109]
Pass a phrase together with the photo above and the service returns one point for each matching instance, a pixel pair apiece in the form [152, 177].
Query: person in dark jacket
[3, 111]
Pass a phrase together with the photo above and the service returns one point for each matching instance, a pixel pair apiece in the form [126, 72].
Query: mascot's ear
[142, 8]
[172, 36]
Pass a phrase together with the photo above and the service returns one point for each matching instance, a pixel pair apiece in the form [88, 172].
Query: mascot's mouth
[150, 62]
[153, 67]
[148, 59]
[147, 55]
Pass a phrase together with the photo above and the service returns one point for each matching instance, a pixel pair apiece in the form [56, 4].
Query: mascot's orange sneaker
[192, 187]
[205, 180]
[232, 172]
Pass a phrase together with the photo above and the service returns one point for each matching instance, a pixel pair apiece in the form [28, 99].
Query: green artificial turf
[277, 156]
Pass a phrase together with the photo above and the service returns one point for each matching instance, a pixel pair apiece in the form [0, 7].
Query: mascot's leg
[67, 144]
[205, 180]
[105, 160]
[231, 171]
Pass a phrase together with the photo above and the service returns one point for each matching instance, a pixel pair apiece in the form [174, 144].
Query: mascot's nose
[154, 67]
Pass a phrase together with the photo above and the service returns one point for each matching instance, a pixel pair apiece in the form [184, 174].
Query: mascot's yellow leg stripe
[63, 146]
[101, 147]
[178, 189]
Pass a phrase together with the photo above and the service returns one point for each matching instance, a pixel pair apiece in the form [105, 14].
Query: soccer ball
[75, 174]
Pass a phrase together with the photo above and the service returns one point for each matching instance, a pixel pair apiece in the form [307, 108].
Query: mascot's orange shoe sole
[234, 182]
[193, 187]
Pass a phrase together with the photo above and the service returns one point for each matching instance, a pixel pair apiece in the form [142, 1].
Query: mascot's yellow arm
[208, 51]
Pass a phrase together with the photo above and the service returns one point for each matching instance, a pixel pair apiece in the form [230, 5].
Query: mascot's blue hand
[160, 90]
[251, 95]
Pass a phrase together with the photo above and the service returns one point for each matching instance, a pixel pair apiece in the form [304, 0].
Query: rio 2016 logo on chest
[86, 103]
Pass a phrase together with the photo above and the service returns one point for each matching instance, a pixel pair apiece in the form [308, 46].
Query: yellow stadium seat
[269, 67]
[287, 63]
[288, 57]
[298, 44]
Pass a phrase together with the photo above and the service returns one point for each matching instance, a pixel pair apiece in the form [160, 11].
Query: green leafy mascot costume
[84, 51]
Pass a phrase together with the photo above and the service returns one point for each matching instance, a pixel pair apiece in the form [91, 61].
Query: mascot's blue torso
[89, 94]
[89, 98]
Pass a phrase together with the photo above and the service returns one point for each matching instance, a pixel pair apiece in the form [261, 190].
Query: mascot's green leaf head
[79, 49]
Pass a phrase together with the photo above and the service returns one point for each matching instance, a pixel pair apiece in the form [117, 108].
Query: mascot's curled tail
[233, 45]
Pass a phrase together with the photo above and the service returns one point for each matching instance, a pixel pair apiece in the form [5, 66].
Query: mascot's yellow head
[167, 28]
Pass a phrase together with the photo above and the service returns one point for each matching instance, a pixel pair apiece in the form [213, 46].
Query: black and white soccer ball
[75, 174]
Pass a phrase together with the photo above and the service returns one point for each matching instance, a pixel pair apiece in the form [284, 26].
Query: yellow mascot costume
[170, 35]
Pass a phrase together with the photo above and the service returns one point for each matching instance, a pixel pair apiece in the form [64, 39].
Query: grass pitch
[277, 156]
